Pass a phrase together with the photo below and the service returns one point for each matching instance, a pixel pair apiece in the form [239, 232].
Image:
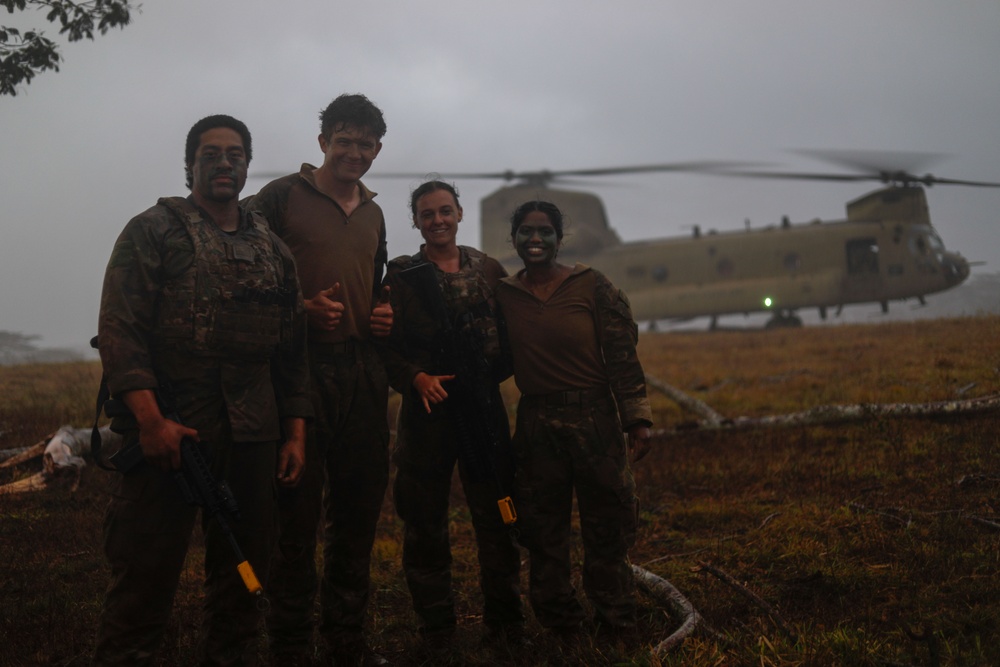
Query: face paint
[220, 166]
[536, 240]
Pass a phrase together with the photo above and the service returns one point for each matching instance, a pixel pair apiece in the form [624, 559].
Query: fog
[488, 86]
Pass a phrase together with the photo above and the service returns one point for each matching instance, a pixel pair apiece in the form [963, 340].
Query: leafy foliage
[25, 54]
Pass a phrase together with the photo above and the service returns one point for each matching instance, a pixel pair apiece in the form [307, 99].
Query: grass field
[873, 543]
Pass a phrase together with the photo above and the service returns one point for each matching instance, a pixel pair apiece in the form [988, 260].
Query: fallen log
[686, 401]
[22, 454]
[62, 455]
[839, 414]
[678, 606]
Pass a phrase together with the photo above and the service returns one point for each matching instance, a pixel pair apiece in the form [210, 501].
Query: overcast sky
[487, 86]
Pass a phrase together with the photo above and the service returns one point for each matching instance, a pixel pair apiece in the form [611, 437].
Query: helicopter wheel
[781, 320]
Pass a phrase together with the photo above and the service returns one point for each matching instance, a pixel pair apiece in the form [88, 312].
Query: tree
[23, 55]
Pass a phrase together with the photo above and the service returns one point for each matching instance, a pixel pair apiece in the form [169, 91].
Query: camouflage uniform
[573, 440]
[218, 318]
[428, 446]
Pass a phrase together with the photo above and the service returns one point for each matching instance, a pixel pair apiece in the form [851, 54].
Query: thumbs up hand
[325, 310]
[381, 317]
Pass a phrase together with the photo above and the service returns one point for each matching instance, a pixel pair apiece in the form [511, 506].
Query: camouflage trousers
[147, 528]
[346, 475]
[562, 446]
[426, 456]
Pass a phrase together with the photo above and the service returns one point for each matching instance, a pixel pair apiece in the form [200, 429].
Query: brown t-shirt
[583, 336]
[329, 246]
[554, 343]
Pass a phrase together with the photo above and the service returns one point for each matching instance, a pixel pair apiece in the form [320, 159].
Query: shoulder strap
[182, 208]
[103, 394]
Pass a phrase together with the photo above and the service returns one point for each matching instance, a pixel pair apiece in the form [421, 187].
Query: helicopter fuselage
[885, 250]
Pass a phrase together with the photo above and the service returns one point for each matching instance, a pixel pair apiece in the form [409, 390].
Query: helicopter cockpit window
[924, 242]
[862, 256]
[659, 273]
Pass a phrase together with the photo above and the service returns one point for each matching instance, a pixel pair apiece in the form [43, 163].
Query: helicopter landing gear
[782, 319]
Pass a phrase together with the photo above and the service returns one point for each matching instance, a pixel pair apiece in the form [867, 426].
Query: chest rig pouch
[469, 299]
[230, 300]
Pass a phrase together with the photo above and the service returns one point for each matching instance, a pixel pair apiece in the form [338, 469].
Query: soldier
[201, 298]
[573, 343]
[336, 231]
[433, 431]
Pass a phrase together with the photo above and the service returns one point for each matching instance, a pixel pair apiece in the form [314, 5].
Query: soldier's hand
[429, 388]
[291, 462]
[160, 441]
[639, 441]
[325, 310]
[292, 454]
[159, 437]
[381, 317]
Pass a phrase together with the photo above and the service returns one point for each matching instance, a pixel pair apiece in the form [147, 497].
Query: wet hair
[210, 123]
[427, 188]
[355, 110]
[550, 210]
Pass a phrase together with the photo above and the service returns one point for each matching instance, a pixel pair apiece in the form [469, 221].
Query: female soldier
[573, 340]
[445, 362]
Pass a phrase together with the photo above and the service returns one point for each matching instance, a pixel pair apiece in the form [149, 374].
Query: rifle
[478, 438]
[197, 484]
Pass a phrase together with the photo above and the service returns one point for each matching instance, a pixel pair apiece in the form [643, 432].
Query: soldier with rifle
[444, 357]
[201, 298]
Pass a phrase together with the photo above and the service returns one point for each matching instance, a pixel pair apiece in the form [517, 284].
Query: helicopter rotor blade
[932, 180]
[798, 175]
[543, 177]
[883, 166]
[873, 161]
[898, 177]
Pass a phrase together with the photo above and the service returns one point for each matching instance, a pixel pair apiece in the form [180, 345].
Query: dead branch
[37, 482]
[27, 453]
[686, 401]
[679, 606]
[838, 414]
[985, 522]
[750, 595]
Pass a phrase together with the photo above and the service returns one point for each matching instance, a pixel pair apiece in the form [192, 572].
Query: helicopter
[886, 249]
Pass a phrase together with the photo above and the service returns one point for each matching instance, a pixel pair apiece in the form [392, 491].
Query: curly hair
[352, 109]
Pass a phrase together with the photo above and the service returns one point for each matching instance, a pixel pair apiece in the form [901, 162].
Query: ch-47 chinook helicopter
[885, 250]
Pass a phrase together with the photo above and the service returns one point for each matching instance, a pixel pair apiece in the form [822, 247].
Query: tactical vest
[230, 301]
[469, 298]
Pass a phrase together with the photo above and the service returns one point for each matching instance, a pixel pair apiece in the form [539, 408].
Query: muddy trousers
[561, 449]
[346, 475]
[147, 530]
[421, 493]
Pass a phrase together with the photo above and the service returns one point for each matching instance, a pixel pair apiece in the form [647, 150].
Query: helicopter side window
[862, 256]
[792, 262]
[925, 243]
[660, 273]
